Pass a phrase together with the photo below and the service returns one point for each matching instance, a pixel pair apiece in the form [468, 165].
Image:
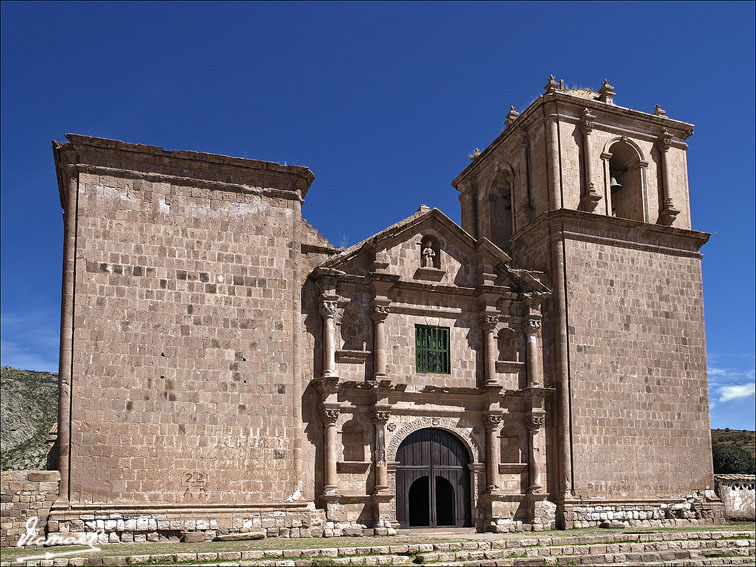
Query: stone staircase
[714, 547]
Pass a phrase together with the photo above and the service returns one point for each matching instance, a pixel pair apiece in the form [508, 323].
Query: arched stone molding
[444, 423]
[612, 141]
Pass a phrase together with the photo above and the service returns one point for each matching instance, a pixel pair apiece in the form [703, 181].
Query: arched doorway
[432, 480]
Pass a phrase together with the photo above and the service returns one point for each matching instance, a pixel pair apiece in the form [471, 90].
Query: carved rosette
[492, 421]
[379, 312]
[328, 307]
[330, 415]
[534, 422]
[664, 141]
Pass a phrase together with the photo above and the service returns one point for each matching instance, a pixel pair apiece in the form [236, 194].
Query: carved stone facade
[219, 356]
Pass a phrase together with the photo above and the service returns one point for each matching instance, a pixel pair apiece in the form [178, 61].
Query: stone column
[379, 314]
[65, 369]
[380, 418]
[533, 368]
[330, 417]
[591, 197]
[552, 153]
[488, 325]
[669, 212]
[534, 471]
[492, 422]
[328, 306]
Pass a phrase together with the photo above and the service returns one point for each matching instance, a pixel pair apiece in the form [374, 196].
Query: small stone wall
[737, 494]
[126, 527]
[25, 495]
[694, 510]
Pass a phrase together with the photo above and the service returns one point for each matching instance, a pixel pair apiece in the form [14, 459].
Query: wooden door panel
[433, 453]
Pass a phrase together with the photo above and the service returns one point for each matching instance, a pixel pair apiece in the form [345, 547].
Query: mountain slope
[28, 408]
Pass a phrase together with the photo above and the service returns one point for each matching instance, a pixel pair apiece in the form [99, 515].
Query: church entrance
[432, 480]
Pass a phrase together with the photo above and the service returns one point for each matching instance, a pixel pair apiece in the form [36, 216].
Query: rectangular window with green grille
[432, 350]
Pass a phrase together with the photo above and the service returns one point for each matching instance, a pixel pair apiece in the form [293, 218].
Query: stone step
[510, 556]
[315, 562]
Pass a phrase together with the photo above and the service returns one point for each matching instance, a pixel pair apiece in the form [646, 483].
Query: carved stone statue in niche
[429, 253]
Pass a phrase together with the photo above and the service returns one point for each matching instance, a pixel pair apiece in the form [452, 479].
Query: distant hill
[741, 438]
[28, 408]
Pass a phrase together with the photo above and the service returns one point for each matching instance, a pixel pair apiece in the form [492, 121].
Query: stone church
[224, 369]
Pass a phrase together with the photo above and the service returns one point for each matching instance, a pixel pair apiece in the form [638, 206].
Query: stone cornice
[615, 231]
[105, 156]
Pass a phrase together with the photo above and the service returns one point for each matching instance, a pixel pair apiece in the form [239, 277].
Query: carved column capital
[492, 421]
[381, 417]
[488, 322]
[587, 122]
[664, 141]
[534, 423]
[330, 415]
[379, 312]
[532, 326]
[328, 307]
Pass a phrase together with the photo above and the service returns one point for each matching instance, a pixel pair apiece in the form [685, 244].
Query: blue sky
[383, 102]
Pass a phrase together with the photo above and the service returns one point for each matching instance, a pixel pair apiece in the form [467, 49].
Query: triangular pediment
[429, 247]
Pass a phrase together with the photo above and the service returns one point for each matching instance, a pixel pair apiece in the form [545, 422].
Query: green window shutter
[432, 354]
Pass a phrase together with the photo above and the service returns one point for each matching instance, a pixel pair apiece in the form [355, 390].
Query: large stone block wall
[184, 350]
[640, 412]
[26, 496]
[737, 493]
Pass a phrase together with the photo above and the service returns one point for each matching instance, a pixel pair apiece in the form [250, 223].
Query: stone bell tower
[596, 195]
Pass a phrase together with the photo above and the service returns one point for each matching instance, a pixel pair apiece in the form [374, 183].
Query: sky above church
[384, 102]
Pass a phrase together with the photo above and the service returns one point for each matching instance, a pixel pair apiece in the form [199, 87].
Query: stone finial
[511, 117]
[659, 111]
[552, 85]
[606, 93]
[475, 155]
[423, 208]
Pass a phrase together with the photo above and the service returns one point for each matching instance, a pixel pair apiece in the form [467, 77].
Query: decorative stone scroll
[444, 423]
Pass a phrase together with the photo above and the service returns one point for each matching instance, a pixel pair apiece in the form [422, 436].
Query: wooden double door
[432, 480]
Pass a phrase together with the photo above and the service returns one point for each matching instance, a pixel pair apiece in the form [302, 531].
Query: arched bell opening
[626, 182]
[501, 206]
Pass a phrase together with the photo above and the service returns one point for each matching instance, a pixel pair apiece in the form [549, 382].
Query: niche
[353, 441]
[353, 327]
[626, 182]
[430, 252]
[508, 350]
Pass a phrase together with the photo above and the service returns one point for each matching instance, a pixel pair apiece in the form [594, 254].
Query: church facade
[224, 369]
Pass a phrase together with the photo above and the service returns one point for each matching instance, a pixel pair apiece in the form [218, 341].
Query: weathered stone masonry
[224, 369]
